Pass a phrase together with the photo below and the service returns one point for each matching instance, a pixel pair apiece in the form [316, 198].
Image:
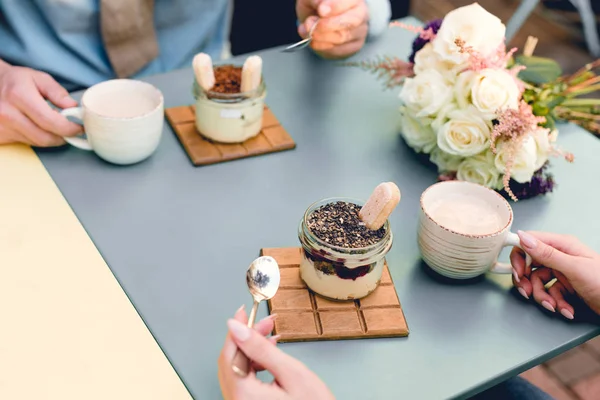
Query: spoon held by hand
[263, 279]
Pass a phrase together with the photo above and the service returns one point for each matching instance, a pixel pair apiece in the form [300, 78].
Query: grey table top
[179, 238]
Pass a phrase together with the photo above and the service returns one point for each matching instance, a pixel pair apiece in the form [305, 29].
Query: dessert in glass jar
[230, 100]
[342, 259]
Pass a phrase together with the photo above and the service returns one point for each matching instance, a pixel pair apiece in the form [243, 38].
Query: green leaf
[555, 101]
[539, 69]
[550, 122]
[540, 110]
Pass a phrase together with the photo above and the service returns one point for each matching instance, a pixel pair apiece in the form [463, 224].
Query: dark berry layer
[338, 268]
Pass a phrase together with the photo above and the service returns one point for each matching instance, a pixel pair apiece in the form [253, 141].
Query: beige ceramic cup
[122, 119]
[461, 255]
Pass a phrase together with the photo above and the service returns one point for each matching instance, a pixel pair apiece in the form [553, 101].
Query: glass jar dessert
[341, 258]
[226, 116]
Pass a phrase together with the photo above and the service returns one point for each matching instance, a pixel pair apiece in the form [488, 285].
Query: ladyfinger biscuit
[203, 69]
[380, 205]
[251, 73]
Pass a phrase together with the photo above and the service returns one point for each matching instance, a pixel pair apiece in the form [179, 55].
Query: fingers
[340, 35]
[324, 40]
[285, 369]
[273, 340]
[33, 105]
[229, 348]
[53, 91]
[565, 282]
[539, 278]
[517, 260]
[29, 132]
[346, 21]
[547, 255]
[557, 291]
[305, 27]
[565, 243]
[264, 327]
[328, 8]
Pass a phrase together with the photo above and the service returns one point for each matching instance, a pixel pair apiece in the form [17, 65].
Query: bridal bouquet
[479, 112]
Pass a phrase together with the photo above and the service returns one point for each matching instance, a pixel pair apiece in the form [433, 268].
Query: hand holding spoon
[303, 43]
[262, 278]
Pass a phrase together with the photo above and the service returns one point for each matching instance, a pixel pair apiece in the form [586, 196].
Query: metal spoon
[303, 43]
[262, 278]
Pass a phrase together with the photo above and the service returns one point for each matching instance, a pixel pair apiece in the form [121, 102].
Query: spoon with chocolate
[262, 278]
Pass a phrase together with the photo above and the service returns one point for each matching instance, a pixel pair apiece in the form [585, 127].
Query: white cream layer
[337, 288]
[231, 122]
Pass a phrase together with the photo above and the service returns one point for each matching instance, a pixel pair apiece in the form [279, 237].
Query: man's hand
[342, 29]
[25, 116]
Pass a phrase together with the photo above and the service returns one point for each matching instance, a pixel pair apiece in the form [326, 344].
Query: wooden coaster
[272, 138]
[303, 315]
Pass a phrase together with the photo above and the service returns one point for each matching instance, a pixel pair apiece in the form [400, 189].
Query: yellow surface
[67, 329]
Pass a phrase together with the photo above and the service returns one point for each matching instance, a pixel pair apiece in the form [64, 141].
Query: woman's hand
[342, 29]
[25, 116]
[293, 380]
[575, 267]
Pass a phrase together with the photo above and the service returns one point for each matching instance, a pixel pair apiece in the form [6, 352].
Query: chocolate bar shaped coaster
[303, 315]
[201, 151]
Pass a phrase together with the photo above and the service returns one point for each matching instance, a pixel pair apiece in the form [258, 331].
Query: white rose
[462, 88]
[417, 132]
[444, 161]
[524, 164]
[427, 58]
[473, 24]
[493, 90]
[442, 116]
[465, 134]
[426, 93]
[489, 90]
[480, 169]
[543, 146]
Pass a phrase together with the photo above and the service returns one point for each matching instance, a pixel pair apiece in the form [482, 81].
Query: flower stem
[581, 102]
[585, 90]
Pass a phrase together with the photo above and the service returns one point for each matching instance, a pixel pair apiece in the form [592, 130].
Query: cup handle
[79, 142]
[512, 239]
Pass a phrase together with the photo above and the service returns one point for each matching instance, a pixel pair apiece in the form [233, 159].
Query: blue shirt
[62, 37]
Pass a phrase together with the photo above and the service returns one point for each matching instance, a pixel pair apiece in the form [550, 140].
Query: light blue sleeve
[380, 14]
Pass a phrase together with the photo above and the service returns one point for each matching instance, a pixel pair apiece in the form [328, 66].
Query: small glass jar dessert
[352, 267]
[229, 117]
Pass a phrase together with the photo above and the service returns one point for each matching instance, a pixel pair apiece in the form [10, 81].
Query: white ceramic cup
[122, 119]
[456, 253]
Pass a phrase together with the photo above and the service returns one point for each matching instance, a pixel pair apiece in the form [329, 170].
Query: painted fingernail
[567, 314]
[238, 330]
[523, 293]
[527, 240]
[272, 317]
[516, 276]
[302, 30]
[548, 306]
[324, 10]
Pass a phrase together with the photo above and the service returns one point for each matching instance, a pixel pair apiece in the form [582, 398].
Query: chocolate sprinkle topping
[228, 79]
[339, 225]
